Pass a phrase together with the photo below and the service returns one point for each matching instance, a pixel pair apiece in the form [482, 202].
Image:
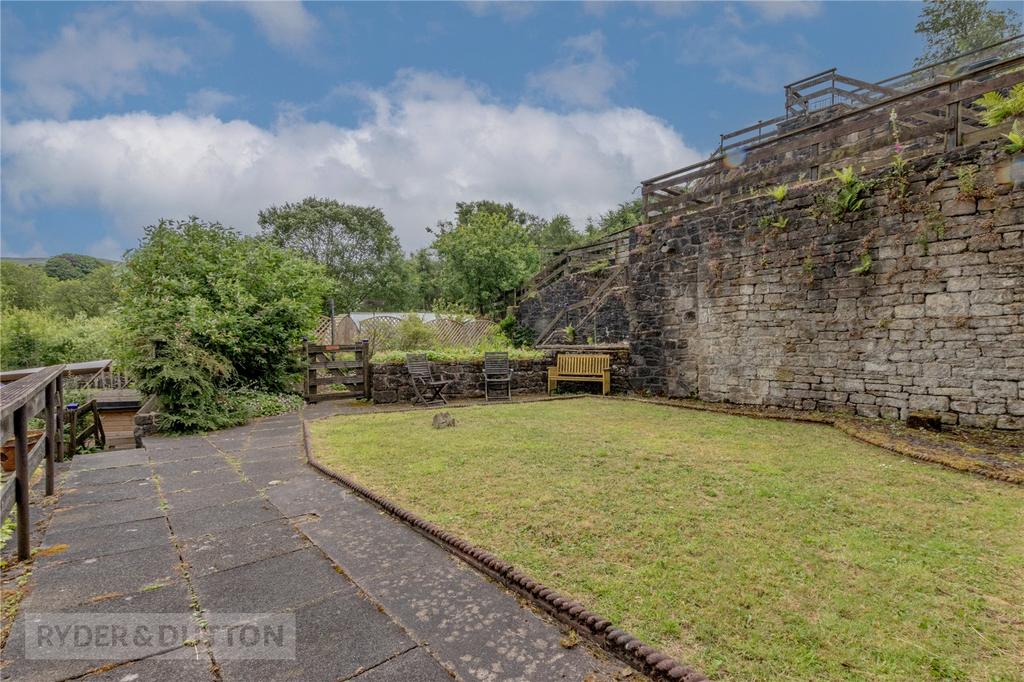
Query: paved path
[236, 522]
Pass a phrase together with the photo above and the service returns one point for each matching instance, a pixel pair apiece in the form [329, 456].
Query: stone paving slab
[336, 638]
[110, 476]
[85, 494]
[104, 540]
[415, 665]
[222, 517]
[208, 496]
[279, 583]
[171, 599]
[77, 582]
[309, 493]
[176, 666]
[105, 460]
[219, 474]
[104, 513]
[220, 551]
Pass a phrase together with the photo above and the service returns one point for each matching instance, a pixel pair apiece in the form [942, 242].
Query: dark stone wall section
[726, 310]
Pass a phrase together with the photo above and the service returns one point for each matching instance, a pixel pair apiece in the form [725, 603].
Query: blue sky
[115, 115]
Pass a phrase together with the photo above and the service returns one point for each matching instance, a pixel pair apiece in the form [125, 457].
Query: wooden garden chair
[497, 371]
[423, 380]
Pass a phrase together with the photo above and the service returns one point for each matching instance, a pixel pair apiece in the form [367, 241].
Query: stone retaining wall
[724, 307]
[727, 310]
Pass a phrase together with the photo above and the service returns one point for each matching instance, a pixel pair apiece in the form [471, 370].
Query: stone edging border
[846, 426]
[624, 646]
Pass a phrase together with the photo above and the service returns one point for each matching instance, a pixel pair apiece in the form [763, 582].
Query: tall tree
[626, 214]
[425, 276]
[356, 244]
[483, 258]
[951, 27]
[23, 286]
[557, 233]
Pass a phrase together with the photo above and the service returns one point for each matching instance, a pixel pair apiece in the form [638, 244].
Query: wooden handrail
[42, 391]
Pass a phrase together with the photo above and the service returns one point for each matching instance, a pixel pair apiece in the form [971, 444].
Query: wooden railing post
[22, 476]
[59, 418]
[51, 433]
[366, 368]
[953, 112]
[73, 431]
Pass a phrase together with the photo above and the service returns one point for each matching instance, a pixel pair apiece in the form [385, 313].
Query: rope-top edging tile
[629, 649]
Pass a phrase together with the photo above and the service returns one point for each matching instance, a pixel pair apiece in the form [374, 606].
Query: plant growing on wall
[849, 196]
[779, 193]
[864, 267]
[899, 169]
[773, 222]
[570, 333]
[997, 107]
[932, 227]
[1016, 138]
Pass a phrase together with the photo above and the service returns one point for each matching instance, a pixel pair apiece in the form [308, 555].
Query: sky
[115, 115]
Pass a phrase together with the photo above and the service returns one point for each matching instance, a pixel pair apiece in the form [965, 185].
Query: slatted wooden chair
[497, 372]
[570, 367]
[423, 380]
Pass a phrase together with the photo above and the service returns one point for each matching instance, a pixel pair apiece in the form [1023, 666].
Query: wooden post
[365, 343]
[310, 375]
[953, 112]
[51, 433]
[59, 418]
[22, 476]
[73, 432]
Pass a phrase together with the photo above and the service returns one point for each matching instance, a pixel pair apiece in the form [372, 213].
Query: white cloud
[781, 10]
[508, 10]
[208, 101]
[752, 65]
[583, 77]
[285, 23]
[97, 56]
[431, 142]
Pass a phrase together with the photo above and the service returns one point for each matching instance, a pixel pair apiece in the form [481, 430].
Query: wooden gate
[337, 371]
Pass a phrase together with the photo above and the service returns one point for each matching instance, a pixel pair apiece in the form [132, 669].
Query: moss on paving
[752, 549]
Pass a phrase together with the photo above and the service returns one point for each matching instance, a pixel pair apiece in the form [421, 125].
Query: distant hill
[42, 261]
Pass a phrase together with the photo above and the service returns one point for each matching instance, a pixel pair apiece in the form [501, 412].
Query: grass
[752, 549]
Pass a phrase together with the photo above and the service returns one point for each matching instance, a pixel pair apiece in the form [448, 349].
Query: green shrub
[206, 310]
[413, 332]
[34, 338]
[517, 335]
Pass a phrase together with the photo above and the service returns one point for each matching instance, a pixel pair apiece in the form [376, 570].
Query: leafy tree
[356, 244]
[33, 338]
[424, 279]
[206, 310]
[92, 295]
[483, 258]
[71, 266]
[951, 27]
[557, 234]
[23, 286]
[626, 214]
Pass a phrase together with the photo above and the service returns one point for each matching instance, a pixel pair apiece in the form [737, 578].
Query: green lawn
[752, 549]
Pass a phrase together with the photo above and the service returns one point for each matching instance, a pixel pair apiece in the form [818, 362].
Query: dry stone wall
[727, 308]
[391, 383]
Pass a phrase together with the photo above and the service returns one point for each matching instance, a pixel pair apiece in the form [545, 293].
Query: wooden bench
[582, 368]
